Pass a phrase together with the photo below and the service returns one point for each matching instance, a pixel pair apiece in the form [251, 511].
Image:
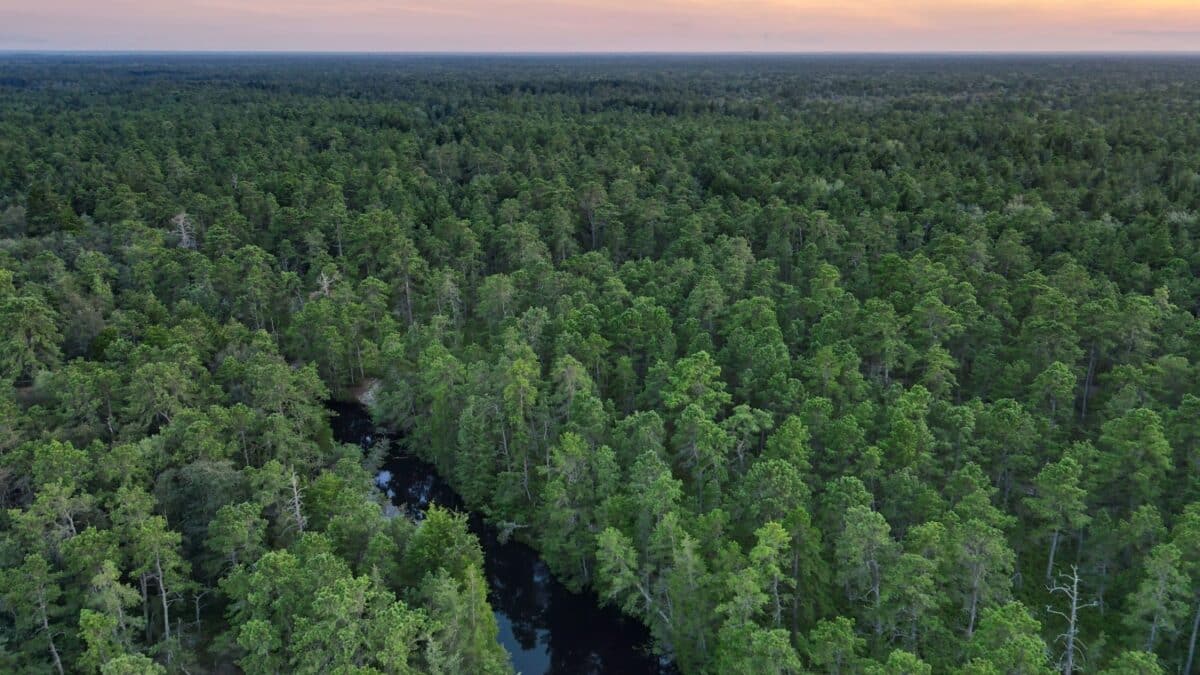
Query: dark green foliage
[828, 365]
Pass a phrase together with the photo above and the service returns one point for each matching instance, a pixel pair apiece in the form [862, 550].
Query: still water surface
[544, 627]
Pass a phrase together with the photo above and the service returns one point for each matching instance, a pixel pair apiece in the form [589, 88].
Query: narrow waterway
[544, 627]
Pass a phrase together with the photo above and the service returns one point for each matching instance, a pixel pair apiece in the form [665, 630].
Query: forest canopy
[821, 364]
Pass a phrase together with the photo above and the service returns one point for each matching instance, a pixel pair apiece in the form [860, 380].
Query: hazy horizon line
[587, 52]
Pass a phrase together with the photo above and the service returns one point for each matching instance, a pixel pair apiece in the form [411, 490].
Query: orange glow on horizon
[604, 25]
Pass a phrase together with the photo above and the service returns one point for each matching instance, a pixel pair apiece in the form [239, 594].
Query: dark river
[544, 627]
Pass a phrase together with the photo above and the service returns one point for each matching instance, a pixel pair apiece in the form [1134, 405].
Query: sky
[601, 25]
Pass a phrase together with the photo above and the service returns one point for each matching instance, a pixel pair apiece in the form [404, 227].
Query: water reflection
[544, 627]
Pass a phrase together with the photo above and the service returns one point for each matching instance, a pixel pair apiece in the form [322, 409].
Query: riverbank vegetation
[811, 365]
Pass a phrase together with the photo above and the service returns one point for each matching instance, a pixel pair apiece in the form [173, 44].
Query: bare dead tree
[44, 616]
[507, 528]
[296, 504]
[185, 230]
[1191, 657]
[324, 285]
[1068, 585]
[197, 596]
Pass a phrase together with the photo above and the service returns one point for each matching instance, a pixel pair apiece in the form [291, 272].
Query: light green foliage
[1134, 663]
[236, 535]
[30, 341]
[695, 381]
[834, 647]
[1136, 457]
[579, 480]
[33, 597]
[441, 542]
[1161, 599]
[1009, 640]
[865, 553]
[132, 664]
[306, 612]
[1060, 503]
[464, 637]
[900, 663]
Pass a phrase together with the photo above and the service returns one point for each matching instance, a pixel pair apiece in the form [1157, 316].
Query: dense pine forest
[823, 364]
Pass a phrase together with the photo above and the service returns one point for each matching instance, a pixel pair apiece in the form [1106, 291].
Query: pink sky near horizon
[598, 25]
